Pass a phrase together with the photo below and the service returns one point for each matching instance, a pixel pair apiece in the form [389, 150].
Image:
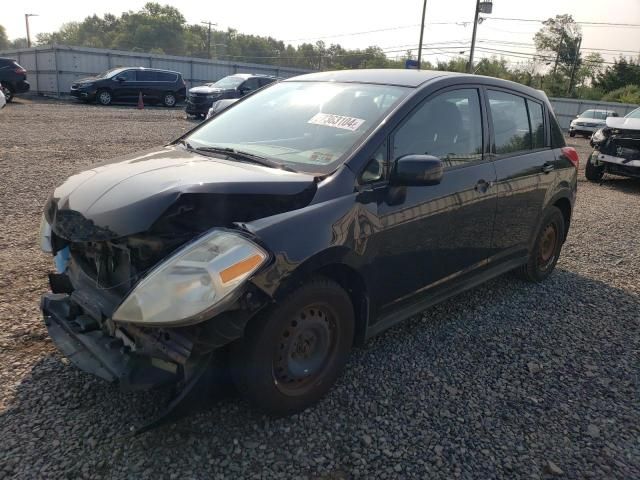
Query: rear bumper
[22, 86]
[99, 354]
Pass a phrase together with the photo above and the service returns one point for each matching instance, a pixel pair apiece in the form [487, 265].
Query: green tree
[4, 40]
[623, 72]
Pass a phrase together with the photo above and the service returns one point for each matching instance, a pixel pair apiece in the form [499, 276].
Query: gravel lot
[509, 380]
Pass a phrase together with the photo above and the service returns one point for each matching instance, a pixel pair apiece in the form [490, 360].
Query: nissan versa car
[126, 85]
[589, 121]
[200, 99]
[305, 219]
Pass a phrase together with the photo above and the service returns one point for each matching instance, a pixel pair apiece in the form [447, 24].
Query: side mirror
[120, 79]
[417, 170]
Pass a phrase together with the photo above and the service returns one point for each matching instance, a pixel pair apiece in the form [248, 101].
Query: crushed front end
[617, 151]
[114, 308]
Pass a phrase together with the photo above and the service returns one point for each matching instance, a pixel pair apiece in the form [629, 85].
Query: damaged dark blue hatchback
[301, 220]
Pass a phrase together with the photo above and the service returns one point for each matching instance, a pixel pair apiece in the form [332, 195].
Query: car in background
[200, 99]
[616, 148]
[125, 84]
[308, 217]
[13, 78]
[3, 100]
[589, 121]
[220, 105]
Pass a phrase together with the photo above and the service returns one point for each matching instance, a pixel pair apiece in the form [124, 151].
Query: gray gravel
[509, 380]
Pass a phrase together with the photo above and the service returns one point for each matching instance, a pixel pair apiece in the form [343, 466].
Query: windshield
[597, 114]
[308, 126]
[634, 114]
[228, 82]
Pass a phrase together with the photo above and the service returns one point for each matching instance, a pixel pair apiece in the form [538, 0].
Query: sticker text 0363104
[337, 121]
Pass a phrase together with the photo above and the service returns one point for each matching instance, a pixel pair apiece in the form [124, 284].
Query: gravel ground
[509, 380]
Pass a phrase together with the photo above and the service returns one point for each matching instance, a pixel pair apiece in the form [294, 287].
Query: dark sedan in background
[200, 99]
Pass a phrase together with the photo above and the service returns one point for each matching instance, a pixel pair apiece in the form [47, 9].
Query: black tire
[8, 93]
[592, 172]
[104, 97]
[546, 250]
[572, 134]
[169, 100]
[312, 329]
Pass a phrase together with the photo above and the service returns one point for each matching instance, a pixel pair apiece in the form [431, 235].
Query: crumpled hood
[206, 89]
[129, 195]
[623, 123]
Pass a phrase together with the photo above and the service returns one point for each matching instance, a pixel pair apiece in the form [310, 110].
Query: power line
[606, 24]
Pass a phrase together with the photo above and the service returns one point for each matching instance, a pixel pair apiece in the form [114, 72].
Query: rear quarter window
[166, 77]
[557, 138]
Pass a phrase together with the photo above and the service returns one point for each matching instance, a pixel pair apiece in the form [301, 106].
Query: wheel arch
[332, 265]
[564, 205]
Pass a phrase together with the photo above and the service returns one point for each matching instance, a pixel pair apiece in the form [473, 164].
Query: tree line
[559, 66]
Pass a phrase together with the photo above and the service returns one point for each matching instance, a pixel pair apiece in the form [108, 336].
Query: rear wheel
[169, 100]
[593, 173]
[104, 97]
[572, 134]
[291, 356]
[546, 250]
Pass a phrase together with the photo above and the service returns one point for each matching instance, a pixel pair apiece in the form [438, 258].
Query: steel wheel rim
[105, 97]
[547, 249]
[305, 347]
[170, 100]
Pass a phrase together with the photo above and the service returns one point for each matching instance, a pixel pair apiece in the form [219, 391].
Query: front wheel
[546, 249]
[572, 134]
[169, 100]
[291, 356]
[8, 93]
[593, 173]
[104, 97]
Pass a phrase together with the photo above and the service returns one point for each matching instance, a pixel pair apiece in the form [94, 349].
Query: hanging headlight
[186, 286]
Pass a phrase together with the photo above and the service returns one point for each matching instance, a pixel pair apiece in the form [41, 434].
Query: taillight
[571, 154]
[20, 71]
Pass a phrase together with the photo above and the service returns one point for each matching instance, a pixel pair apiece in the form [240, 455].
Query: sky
[394, 26]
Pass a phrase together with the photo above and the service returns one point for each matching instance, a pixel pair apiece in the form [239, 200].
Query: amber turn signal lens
[240, 268]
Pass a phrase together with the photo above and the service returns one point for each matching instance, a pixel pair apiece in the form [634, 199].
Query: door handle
[548, 167]
[482, 186]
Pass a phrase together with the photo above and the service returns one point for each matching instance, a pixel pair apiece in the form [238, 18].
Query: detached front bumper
[94, 352]
[619, 166]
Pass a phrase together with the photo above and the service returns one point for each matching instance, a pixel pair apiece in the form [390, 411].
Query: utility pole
[575, 64]
[555, 65]
[26, 20]
[424, 11]
[473, 37]
[209, 37]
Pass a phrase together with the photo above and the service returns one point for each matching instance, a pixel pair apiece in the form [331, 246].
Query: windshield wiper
[242, 156]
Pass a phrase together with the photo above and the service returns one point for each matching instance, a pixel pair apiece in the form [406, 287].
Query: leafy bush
[626, 94]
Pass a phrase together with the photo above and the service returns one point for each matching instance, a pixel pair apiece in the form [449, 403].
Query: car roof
[413, 79]
[7, 59]
[251, 75]
[404, 78]
[148, 69]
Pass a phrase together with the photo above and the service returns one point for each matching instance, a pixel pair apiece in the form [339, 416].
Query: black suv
[200, 99]
[126, 85]
[13, 78]
[305, 219]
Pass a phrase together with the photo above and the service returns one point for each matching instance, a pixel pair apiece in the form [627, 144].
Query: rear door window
[146, 76]
[510, 122]
[537, 124]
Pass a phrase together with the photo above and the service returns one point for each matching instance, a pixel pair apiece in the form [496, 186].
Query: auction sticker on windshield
[337, 121]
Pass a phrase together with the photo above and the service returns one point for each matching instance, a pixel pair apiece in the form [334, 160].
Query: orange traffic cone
[140, 102]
